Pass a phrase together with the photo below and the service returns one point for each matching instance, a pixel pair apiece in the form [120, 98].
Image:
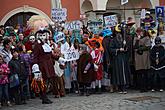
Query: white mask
[32, 39]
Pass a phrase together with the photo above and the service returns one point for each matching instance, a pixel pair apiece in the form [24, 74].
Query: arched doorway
[86, 6]
[87, 9]
[24, 9]
[131, 8]
[19, 19]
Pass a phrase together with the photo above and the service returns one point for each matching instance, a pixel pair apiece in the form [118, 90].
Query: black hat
[157, 40]
[42, 31]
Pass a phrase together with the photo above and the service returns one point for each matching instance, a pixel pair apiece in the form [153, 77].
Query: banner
[59, 14]
[123, 2]
[71, 55]
[59, 37]
[73, 25]
[95, 26]
[159, 11]
[110, 21]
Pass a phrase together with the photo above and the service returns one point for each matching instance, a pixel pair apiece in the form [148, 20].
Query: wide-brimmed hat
[42, 31]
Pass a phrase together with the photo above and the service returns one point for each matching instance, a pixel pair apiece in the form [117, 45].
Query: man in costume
[119, 49]
[42, 54]
[43, 57]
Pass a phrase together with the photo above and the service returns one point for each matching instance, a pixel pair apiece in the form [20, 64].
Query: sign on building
[159, 11]
[73, 25]
[59, 14]
[110, 21]
[123, 2]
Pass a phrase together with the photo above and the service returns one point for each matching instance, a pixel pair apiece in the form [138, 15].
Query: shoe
[24, 102]
[9, 104]
[81, 94]
[76, 92]
[120, 92]
[152, 90]
[46, 101]
[125, 92]
[57, 96]
[32, 97]
[161, 90]
[62, 95]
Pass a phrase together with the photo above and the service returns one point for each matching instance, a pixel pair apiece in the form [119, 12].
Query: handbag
[14, 80]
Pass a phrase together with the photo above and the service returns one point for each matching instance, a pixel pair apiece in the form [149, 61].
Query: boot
[9, 104]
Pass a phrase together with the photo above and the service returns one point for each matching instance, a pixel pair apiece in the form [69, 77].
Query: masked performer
[42, 55]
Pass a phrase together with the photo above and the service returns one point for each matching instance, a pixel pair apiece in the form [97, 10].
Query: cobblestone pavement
[105, 101]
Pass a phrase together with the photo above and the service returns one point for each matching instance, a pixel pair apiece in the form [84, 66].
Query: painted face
[32, 39]
[42, 36]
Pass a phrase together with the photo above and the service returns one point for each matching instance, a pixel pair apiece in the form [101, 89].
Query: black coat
[120, 63]
[158, 52]
[18, 66]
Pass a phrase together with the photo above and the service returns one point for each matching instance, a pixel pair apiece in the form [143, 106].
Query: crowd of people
[33, 64]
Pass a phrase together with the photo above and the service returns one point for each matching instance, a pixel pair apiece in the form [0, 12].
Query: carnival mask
[32, 39]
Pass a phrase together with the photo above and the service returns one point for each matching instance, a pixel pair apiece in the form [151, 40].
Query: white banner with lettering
[111, 20]
[59, 14]
[73, 25]
[71, 55]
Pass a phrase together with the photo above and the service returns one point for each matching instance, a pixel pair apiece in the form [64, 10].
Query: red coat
[44, 60]
[98, 60]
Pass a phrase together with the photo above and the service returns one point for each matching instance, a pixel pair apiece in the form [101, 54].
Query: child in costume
[157, 56]
[97, 59]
